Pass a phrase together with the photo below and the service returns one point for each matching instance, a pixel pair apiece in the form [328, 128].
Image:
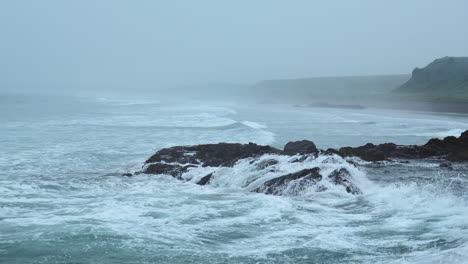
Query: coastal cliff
[444, 78]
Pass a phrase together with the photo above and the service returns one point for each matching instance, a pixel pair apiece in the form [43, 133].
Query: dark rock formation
[169, 169]
[266, 163]
[450, 148]
[303, 179]
[221, 154]
[369, 152]
[343, 177]
[300, 147]
[205, 180]
[464, 137]
[176, 161]
[279, 185]
[446, 165]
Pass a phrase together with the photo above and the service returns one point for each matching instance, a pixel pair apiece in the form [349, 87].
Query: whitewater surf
[63, 198]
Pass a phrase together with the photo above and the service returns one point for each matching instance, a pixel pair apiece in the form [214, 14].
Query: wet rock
[205, 180]
[296, 183]
[176, 161]
[127, 174]
[169, 169]
[214, 155]
[464, 137]
[300, 147]
[450, 148]
[266, 163]
[446, 165]
[331, 151]
[461, 155]
[303, 158]
[343, 177]
[279, 185]
[368, 152]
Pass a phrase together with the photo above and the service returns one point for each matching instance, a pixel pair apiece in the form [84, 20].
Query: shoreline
[423, 106]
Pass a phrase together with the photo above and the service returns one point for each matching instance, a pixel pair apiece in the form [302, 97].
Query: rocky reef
[450, 148]
[298, 168]
[291, 171]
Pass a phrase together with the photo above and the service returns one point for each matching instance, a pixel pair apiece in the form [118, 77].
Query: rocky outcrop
[205, 180]
[280, 184]
[464, 137]
[300, 147]
[344, 178]
[170, 169]
[450, 148]
[214, 155]
[179, 161]
[303, 179]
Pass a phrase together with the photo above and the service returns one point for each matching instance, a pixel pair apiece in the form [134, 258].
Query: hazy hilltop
[329, 88]
[440, 86]
[443, 79]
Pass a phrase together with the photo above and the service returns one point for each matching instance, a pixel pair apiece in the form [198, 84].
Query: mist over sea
[63, 199]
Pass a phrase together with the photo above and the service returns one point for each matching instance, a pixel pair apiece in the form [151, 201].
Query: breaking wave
[452, 132]
[251, 173]
[63, 199]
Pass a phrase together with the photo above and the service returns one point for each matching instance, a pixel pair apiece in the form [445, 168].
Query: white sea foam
[254, 125]
[62, 198]
[126, 102]
[250, 174]
[442, 134]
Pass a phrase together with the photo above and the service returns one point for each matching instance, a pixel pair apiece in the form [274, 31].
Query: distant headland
[441, 86]
[444, 79]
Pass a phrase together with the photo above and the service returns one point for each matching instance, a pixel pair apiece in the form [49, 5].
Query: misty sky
[73, 45]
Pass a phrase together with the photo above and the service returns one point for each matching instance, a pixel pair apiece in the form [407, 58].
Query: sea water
[63, 199]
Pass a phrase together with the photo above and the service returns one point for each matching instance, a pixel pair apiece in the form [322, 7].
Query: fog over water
[90, 47]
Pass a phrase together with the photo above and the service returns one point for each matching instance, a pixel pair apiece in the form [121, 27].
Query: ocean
[63, 198]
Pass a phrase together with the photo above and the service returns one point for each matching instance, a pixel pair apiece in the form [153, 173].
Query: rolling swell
[62, 199]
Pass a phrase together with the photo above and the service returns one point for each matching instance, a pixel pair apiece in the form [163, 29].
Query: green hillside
[329, 87]
[445, 79]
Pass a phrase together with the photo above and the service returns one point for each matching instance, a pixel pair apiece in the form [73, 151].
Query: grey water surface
[62, 199]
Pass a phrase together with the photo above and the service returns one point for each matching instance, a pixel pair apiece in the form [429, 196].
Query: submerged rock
[279, 185]
[205, 180]
[266, 163]
[446, 165]
[344, 178]
[169, 169]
